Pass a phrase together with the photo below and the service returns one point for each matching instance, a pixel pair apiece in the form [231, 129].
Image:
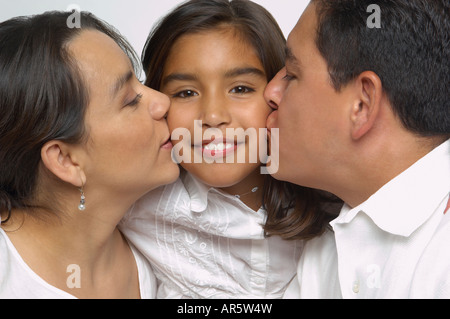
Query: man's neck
[383, 165]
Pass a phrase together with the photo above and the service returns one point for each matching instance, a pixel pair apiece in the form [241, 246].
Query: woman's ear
[365, 110]
[57, 159]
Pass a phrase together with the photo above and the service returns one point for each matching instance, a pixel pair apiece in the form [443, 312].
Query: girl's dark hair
[255, 23]
[42, 96]
[257, 26]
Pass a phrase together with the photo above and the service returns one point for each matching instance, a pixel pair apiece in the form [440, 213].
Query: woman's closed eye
[135, 101]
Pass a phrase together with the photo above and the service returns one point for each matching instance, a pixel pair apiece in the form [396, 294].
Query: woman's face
[216, 81]
[128, 151]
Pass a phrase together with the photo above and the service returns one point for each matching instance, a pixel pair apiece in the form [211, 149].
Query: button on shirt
[394, 245]
[204, 243]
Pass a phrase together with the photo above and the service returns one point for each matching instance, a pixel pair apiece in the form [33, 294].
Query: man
[363, 112]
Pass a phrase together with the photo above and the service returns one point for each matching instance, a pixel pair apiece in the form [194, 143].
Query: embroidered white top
[19, 281]
[394, 245]
[204, 243]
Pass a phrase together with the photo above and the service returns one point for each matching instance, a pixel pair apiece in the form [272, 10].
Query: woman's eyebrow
[120, 82]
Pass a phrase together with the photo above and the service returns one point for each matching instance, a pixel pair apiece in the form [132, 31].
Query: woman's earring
[82, 205]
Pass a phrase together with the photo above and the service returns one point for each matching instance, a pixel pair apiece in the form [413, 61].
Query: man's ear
[57, 159]
[366, 108]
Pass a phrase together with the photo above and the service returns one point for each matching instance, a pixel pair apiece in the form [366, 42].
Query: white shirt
[204, 243]
[394, 245]
[19, 281]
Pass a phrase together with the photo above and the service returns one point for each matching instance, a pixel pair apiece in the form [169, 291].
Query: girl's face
[128, 151]
[217, 78]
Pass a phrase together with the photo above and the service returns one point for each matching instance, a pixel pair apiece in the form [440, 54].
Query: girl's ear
[365, 110]
[57, 159]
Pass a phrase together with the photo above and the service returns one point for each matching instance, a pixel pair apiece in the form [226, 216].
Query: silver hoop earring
[82, 205]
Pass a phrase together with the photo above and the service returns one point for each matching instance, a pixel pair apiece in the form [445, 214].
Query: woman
[81, 139]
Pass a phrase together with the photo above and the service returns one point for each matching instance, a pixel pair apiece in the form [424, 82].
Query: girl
[70, 166]
[204, 234]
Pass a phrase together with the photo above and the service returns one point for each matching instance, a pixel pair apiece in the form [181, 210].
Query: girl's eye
[185, 94]
[136, 100]
[242, 90]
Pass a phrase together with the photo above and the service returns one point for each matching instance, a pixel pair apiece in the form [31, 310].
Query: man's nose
[274, 90]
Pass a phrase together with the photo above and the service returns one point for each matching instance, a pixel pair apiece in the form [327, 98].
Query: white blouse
[19, 281]
[204, 243]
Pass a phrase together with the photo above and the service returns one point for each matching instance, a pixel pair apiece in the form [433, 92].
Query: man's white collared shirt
[394, 245]
[204, 243]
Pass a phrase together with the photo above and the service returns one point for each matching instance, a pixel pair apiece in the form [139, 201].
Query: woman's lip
[167, 144]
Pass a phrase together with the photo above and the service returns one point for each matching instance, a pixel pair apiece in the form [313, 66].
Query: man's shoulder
[432, 274]
[321, 249]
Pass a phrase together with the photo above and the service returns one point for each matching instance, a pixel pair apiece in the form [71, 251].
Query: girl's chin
[221, 175]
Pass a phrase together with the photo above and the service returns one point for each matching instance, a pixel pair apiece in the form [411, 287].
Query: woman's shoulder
[147, 279]
[18, 281]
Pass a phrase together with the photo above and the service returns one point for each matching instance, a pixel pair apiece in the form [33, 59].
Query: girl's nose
[215, 112]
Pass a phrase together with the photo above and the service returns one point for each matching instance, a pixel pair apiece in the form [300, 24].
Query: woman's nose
[274, 90]
[159, 105]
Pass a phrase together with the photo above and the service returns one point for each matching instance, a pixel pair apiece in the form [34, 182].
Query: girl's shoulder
[159, 199]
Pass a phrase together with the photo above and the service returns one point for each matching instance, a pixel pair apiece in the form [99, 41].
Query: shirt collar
[406, 202]
[198, 192]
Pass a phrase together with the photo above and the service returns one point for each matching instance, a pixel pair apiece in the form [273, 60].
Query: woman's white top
[19, 281]
[204, 243]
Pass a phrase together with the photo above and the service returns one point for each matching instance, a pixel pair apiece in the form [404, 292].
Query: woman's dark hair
[42, 96]
[410, 52]
[259, 28]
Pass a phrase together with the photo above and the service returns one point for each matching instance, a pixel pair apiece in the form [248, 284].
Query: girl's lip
[218, 141]
[218, 147]
[219, 152]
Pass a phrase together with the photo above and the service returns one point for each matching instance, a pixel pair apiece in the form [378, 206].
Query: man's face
[311, 116]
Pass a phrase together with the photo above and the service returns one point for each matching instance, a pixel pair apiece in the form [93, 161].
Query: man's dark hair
[410, 53]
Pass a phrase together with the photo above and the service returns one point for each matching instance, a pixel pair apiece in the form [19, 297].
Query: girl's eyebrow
[245, 71]
[229, 74]
[178, 77]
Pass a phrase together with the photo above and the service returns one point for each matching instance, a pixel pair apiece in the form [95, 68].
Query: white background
[135, 18]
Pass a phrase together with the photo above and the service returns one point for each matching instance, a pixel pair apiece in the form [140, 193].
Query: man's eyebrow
[121, 81]
[244, 71]
[290, 57]
[178, 77]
